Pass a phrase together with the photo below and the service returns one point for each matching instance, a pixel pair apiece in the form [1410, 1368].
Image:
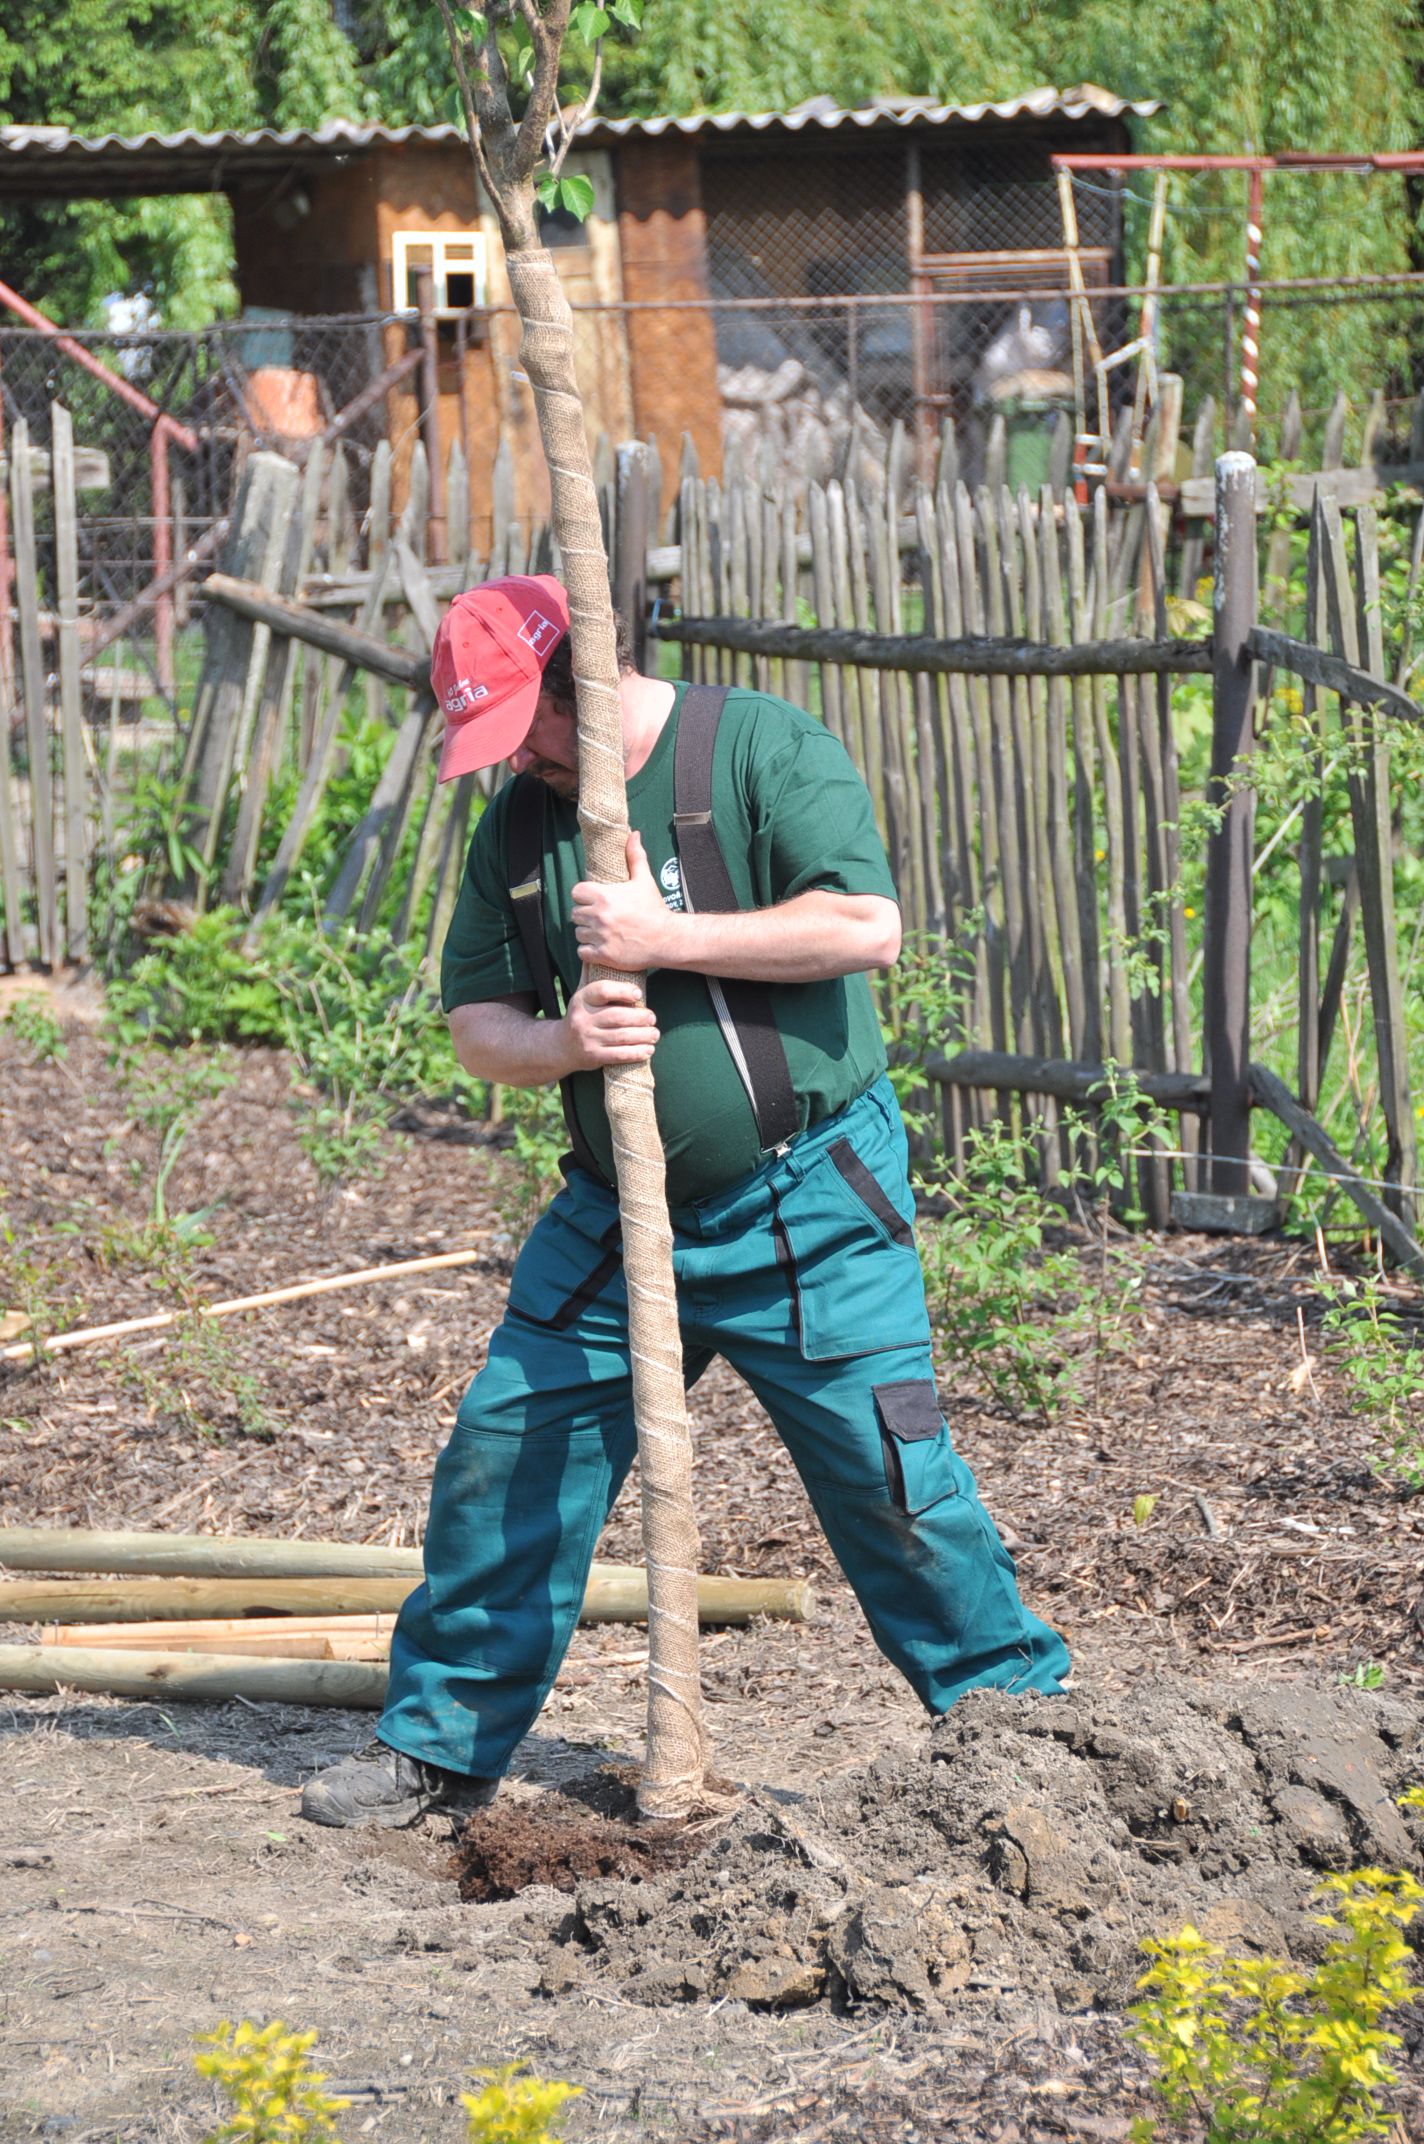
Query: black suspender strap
[743, 1009]
[525, 856]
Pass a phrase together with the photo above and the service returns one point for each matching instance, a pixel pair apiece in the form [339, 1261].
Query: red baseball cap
[487, 666]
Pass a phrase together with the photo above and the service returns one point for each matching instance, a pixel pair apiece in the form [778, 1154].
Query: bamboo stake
[43, 1669]
[60, 1343]
[616, 1594]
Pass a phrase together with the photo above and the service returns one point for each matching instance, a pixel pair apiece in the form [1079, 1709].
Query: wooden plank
[975, 655]
[898, 746]
[415, 587]
[1073, 1081]
[414, 523]
[1085, 868]
[457, 509]
[235, 657]
[32, 675]
[966, 881]
[419, 775]
[318, 767]
[1114, 832]
[71, 712]
[1203, 447]
[823, 603]
[1227, 968]
[1310, 848]
[279, 679]
[389, 802]
[1273, 1094]
[450, 865]
[1059, 809]
[378, 538]
[359, 648]
[929, 785]
[630, 560]
[1316, 666]
[206, 1679]
[11, 883]
[872, 720]
[843, 619]
[1374, 854]
[985, 779]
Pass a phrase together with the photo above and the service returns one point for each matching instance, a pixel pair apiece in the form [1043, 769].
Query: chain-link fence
[818, 378]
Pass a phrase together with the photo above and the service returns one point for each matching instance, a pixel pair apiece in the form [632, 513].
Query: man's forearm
[806, 940]
[510, 1046]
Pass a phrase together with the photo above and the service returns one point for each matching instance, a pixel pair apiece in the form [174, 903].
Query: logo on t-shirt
[670, 879]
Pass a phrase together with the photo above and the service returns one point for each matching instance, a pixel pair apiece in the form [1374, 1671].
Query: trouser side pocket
[915, 1443]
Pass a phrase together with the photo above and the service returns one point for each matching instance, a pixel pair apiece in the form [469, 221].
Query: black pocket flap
[910, 1411]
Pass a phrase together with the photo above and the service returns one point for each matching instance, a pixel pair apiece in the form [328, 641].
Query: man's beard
[563, 781]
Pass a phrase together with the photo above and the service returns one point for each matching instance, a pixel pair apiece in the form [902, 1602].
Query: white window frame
[473, 259]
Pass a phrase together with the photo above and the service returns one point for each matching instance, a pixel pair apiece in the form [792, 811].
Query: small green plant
[1257, 2051]
[275, 2096]
[199, 1383]
[514, 2108]
[1365, 1675]
[30, 1290]
[31, 1023]
[1412, 1798]
[1142, 1509]
[1383, 1366]
[536, 1118]
[998, 1298]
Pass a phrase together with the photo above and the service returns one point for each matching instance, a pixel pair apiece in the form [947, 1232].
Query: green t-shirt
[791, 813]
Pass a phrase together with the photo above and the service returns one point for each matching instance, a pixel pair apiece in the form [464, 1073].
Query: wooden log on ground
[977, 656]
[1272, 1093]
[209, 1680]
[329, 634]
[240, 1584]
[1006, 1072]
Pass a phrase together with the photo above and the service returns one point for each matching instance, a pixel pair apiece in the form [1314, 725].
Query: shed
[839, 266]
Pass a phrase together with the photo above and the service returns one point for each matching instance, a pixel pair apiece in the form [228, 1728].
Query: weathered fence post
[1227, 970]
[630, 553]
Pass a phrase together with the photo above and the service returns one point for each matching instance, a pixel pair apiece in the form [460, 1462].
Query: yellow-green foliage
[1263, 2052]
[1412, 1798]
[275, 2097]
[514, 2108]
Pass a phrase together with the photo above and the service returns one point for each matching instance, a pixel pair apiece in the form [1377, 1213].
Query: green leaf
[547, 191]
[470, 21]
[452, 105]
[589, 21]
[629, 13]
[576, 195]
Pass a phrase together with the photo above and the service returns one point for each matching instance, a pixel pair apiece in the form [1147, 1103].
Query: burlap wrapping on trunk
[672, 1778]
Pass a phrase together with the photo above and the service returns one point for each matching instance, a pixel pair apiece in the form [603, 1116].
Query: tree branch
[548, 43]
[569, 127]
[467, 99]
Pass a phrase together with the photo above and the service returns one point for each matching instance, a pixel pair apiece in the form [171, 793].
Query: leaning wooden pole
[506, 153]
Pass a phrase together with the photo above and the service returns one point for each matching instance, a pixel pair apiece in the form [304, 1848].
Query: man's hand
[628, 926]
[608, 1024]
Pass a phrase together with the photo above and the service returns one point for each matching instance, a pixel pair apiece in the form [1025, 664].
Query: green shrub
[1257, 2051]
[1383, 1366]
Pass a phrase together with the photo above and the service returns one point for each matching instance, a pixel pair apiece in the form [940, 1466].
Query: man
[758, 899]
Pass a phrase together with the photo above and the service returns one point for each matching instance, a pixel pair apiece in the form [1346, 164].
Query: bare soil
[922, 1932]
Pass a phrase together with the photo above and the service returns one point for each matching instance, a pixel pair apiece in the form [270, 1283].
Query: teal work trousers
[806, 1278]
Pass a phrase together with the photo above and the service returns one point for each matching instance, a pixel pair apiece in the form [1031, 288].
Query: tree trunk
[672, 1776]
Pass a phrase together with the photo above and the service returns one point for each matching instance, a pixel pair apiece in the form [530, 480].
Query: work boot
[381, 1785]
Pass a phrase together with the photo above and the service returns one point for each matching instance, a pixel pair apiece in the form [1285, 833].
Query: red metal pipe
[112, 380]
[1283, 160]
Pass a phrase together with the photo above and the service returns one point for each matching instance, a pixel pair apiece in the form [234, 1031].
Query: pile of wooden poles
[297, 1622]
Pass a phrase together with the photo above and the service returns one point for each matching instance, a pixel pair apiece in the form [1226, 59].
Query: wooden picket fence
[1003, 669]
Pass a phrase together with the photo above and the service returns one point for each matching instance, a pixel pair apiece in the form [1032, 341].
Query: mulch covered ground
[1272, 1532]
[1274, 1549]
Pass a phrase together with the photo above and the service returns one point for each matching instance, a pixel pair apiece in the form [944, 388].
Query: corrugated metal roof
[53, 150]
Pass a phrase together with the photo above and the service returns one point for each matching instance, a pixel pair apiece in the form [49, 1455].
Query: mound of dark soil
[563, 1840]
[1026, 1851]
